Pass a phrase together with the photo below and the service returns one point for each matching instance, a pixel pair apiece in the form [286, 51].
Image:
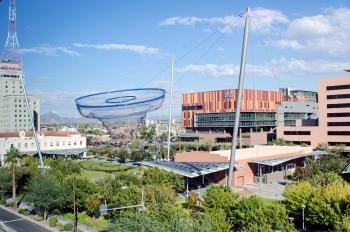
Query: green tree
[343, 226]
[123, 155]
[216, 217]
[221, 197]
[83, 188]
[328, 205]
[46, 193]
[256, 210]
[158, 197]
[136, 221]
[13, 160]
[159, 177]
[297, 195]
[60, 168]
[91, 203]
[256, 227]
[5, 182]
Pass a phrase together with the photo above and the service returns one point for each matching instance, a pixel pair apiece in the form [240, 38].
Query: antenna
[12, 51]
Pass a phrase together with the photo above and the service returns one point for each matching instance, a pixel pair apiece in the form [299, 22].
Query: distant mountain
[53, 118]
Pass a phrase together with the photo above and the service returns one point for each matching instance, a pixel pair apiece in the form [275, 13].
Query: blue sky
[72, 48]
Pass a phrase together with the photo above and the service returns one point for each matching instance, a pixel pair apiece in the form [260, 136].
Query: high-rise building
[333, 126]
[14, 115]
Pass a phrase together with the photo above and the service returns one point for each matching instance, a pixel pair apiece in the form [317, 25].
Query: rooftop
[45, 133]
[190, 170]
[260, 151]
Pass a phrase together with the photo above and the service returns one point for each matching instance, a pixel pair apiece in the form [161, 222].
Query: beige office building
[13, 109]
[333, 127]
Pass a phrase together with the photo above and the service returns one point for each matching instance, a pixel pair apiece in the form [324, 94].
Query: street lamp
[303, 208]
[291, 219]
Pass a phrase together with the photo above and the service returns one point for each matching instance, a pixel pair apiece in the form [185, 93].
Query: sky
[73, 48]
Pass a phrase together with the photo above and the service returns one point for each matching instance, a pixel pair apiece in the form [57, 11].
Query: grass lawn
[93, 174]
[93, 169]
[83, 218]
[94, 165]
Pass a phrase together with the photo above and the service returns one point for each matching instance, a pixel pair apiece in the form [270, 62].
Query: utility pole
[75, 217]
[239, 98]
[170, 106]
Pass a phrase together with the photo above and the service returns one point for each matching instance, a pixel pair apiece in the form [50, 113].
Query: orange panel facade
[225, 100]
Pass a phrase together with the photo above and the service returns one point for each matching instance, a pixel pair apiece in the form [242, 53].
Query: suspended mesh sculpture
[121, 110]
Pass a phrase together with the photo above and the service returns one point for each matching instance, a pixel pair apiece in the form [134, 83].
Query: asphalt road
[16, 223]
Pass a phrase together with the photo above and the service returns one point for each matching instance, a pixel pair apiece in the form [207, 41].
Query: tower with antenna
[12, 51]
[11, 73]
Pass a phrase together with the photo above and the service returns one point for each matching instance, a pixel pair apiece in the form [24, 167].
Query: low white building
[161, 126]
[52, 143]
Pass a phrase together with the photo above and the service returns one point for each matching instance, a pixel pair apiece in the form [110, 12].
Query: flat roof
[274, 162]
[58, 152]
[187, 169]
[259, 151]
[278, 161]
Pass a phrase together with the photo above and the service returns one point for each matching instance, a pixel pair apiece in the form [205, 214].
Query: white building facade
[13, 109]
[52, 143]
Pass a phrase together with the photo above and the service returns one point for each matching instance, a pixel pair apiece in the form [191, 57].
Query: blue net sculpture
[122, 109]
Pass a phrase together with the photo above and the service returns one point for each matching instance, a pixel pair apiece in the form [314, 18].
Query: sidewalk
[84, 228]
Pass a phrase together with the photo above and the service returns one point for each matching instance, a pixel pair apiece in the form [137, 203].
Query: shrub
[25, 212]
[38, 218]
[2, 202]
[68, 227]
[52, 222]
[60, 226]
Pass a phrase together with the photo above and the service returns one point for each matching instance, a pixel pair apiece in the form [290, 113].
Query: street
[17, 223]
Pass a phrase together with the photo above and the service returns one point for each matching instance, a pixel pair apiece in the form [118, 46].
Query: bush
[52, 222]
[2, 202]
[60, 226]
[68, 227]
[25, 212]
[38, 218]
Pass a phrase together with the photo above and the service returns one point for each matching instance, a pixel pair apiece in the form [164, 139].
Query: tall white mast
[239, 98]
[170, 105]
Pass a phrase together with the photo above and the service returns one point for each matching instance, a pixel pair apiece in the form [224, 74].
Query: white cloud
[283, 43]
[49, 50]
[264, 20]
[280, 67]
[129, 47]
[328, 32]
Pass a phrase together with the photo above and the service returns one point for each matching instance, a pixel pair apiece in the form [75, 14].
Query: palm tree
[13, 159]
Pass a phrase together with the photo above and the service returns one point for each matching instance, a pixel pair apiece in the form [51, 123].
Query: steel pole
[303, 207]
[171, 104]
[32, 122]
[239, 98]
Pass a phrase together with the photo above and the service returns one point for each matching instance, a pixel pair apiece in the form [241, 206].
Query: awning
[190, 170]
[346, 169]
[58, 152]
[274, 162]
[278, 161]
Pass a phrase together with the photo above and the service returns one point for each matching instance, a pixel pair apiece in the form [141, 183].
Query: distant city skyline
[72, 48]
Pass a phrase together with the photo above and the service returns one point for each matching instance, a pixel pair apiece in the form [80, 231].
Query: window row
[297, 133]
